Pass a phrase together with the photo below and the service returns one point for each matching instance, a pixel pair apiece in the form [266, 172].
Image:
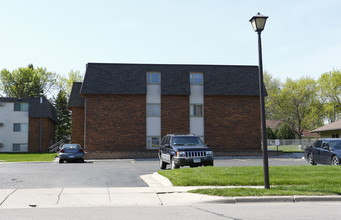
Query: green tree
[63, 128]
[285, 132]
[330, 93]
[27, 81]
[65, 83]
[273, 88]
[299, 106]
[270, 134]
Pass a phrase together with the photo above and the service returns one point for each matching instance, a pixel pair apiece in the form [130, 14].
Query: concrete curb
[164, 183]
[264, 199]
[331, 198]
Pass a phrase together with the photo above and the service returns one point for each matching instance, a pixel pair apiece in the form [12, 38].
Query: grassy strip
[287, 148]
[274, 191]
[27, 157]
[288, 180]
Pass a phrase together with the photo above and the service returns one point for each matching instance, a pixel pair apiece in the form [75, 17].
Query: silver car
[71, 152]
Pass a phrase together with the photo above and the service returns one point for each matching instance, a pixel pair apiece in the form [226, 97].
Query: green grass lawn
[24, 157]
[287, 148]
[284, 180]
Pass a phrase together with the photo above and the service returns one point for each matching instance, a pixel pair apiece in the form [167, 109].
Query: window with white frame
[153, 78]
[154, 110]
[153, 142]
[21, 107]
[196, 110]
[20, 147]
[196, 78]
[20, 127]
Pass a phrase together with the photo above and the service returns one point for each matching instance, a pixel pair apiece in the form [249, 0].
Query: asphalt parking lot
[104, 173]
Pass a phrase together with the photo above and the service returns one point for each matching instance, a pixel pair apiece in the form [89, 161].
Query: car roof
[182, 135]
[330, 139]
[68, 145]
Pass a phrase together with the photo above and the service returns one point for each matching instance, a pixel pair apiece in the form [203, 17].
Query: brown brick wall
[121, 155]
[115, 123]
[48, 134]
[232, 124]
[77, 135]
[174, 114]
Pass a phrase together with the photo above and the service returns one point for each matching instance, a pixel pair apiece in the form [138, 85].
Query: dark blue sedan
[324, 151]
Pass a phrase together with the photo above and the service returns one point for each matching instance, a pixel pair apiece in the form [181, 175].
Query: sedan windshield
[187, 141]
[336, 145]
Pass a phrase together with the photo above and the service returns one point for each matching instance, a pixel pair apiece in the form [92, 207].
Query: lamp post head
[258, 22]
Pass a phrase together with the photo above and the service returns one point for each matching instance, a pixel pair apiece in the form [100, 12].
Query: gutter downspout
[84, 123]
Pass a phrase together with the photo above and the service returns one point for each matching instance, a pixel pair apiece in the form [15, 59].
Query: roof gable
[36, 109]
[75, 99]
[330, 127]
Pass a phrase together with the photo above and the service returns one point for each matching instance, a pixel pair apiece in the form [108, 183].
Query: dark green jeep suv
[184, 150]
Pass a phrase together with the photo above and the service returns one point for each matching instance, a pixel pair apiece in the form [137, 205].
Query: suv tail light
[62, 151]
[80, 151]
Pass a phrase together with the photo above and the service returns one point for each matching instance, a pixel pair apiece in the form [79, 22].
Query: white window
[154, 110]
[196, 78]
[16, 147]
[17, 127]
[153, 142]
[197, 110]
[20, 106]
[153, 78]
[20, 147]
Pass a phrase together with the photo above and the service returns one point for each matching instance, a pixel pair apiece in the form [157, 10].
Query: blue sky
[301, 37]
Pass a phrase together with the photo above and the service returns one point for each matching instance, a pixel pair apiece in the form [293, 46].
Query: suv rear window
[187, 141]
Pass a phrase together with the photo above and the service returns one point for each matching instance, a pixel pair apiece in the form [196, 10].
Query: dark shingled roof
[75, 99]
[102, 78]
[45, 110]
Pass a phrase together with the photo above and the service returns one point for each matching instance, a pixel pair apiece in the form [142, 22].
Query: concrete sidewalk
[159, 193]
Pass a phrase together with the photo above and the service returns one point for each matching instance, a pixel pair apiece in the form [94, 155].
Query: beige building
[26, 124]
[332, 130]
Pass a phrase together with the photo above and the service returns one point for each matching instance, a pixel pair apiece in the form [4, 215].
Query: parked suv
[184, 150]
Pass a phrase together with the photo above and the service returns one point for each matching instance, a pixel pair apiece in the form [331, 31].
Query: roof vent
[2, 104]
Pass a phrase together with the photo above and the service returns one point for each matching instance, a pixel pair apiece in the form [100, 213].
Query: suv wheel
[173, 165]
[163, 165]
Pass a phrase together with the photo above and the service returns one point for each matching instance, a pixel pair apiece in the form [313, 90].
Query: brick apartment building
[122, 110]
[26, 124]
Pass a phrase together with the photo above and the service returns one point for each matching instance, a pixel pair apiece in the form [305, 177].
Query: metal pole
[334, 114]
[41, 125]
[261, 94]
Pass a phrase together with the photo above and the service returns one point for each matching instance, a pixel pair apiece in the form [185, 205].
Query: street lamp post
[334, 112]
[258, 23]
